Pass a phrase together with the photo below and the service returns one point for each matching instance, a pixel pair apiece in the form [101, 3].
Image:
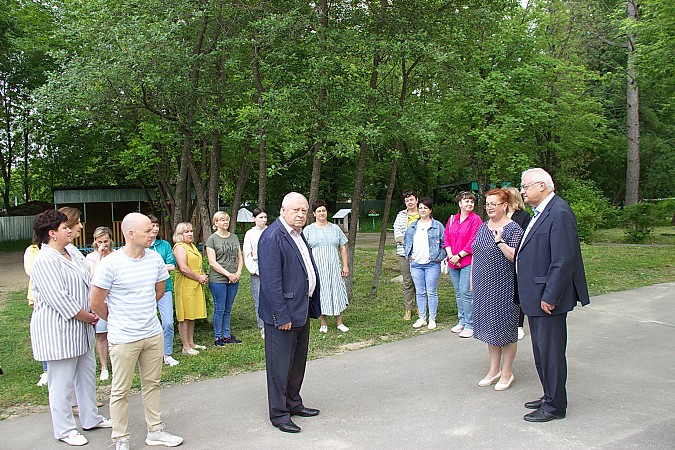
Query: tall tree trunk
[214, 174]
[356, 211]
[26, 153]
[262, 131]
[180, 211]
[632, 115]
[363, 157]
[244, 172]
[7, 161]
[202, 207]
[320, 140]
[385, 223]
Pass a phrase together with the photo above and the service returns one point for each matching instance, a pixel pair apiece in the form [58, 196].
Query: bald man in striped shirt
[125, 290]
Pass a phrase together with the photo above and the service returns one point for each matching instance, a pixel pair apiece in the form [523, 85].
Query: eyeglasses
[525, 187]
[493, 205]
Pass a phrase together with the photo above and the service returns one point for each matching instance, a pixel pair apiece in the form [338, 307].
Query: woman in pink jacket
[460, 232]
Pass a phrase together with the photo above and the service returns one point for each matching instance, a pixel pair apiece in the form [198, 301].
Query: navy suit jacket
[284, 285]
[550, 267]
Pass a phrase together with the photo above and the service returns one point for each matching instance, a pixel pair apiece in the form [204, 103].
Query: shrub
[589, 205]
[638, 220]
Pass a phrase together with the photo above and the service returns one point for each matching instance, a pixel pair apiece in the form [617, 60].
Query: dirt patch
[12, 276]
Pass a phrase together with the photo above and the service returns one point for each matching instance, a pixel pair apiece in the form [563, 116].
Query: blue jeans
[255, 290]
[425, 277]
[223, 299]
[165, 307]
[461, 282]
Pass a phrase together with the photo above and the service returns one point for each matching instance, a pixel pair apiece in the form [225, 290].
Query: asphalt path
[422, 393]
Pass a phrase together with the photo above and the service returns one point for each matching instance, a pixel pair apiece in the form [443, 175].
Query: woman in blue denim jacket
[423, 243]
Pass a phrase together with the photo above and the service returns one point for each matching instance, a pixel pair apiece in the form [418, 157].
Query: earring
[54, 238]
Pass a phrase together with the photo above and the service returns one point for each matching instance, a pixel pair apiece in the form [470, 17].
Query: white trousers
[65, 376]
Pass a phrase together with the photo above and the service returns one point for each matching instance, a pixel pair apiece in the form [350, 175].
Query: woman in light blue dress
[327, 242]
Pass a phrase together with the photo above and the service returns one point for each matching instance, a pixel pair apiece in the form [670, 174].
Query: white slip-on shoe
[75, 438]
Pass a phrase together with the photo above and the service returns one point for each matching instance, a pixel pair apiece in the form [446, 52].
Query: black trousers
[286, 358]
[549, 344]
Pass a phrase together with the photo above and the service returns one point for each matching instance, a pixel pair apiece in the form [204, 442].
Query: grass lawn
[371, 320]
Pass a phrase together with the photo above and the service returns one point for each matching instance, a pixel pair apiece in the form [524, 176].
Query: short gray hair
[541, 175]
[292, 196]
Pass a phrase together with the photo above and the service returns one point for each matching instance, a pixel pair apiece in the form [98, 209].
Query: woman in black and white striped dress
[327, 242]
[61, 328]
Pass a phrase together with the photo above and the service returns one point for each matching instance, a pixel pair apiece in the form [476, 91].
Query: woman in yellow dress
[188, 286]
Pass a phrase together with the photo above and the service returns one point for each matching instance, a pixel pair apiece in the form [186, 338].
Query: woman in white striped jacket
[61, 328]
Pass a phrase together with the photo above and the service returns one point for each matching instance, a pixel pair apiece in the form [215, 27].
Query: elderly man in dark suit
[289, 296]
[551, 280]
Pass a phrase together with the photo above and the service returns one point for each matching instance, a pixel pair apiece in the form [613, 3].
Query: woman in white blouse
[62, 328]
[250, 250]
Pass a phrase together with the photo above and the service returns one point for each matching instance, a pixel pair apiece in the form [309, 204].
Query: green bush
[589, 205]
[664, 211]
[639, 220]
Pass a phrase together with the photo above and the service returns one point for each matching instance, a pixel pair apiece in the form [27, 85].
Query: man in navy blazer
[551, 280]
[289, 296]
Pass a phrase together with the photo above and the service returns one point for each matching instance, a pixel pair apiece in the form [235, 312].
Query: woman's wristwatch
[500, 242]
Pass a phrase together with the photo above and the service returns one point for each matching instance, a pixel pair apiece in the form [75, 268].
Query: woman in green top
[226, 261]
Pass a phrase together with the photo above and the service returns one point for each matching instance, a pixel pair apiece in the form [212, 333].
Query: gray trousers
[409, 299]
[255, 290]
[66, 375]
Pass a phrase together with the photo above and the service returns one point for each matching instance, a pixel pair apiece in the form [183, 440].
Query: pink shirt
[460, 236]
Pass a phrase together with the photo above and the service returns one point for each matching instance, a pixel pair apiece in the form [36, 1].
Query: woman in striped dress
[327, 242]
[62, 328]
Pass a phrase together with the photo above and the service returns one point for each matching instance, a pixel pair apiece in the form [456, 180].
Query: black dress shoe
[288, 427]
[542, 416]
[534, 404]
[306, 412]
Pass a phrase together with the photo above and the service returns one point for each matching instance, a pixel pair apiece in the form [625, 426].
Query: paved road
[422, 393]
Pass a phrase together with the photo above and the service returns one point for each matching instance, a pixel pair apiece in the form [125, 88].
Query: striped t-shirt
[132, 304]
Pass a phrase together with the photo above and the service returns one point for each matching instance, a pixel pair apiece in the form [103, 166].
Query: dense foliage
[248, 100]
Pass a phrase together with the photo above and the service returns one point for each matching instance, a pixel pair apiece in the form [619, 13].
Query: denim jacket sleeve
[436, 240]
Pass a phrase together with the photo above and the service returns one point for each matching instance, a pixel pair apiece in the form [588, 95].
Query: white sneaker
[420, 323]
[170, 361]
[122, 444]
[164, 438]
[190, 351]
[105, 423]
[104, 375]
[432, 325]
[466, 333]
[521, 333]
[262, 333]
[323, 329]
[44, 379]
[342, 327]
[457, 328]
[75, 438]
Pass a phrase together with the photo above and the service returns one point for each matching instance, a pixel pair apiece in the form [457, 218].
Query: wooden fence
[15, 228]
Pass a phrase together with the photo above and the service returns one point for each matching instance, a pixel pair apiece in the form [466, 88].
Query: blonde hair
[516, 202]
[73, 215]
[180, 229]
[216, 218]
[102, 231]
